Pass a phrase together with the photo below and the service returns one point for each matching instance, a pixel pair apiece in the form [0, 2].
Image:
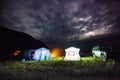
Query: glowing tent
[72, 53]
[42, 54]
[28, 54]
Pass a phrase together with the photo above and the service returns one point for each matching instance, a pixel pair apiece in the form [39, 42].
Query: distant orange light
[15, 53]
[56, 52]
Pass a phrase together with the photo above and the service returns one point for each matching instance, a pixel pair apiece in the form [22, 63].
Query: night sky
[58, 22]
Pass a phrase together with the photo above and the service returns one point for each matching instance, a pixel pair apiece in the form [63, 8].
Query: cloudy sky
[61, 21]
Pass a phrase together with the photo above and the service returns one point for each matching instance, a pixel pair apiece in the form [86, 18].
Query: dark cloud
[61, 21]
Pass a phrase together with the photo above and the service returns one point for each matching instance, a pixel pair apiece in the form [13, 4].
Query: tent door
[45, 57]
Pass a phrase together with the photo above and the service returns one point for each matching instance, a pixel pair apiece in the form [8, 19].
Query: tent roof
[72, 49]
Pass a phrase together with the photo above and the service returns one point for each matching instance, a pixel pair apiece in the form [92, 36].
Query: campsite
[59, 39]
[58, 69]
[41, 63]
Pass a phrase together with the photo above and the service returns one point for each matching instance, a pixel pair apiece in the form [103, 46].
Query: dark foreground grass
[86, 69]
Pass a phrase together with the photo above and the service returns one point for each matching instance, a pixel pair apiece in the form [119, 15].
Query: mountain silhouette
[11, 40]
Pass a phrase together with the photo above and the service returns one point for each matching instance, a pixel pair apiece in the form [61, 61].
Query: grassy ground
[88, 68]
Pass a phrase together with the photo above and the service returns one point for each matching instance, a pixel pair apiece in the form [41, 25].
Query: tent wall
[42, 54]
[72, 53]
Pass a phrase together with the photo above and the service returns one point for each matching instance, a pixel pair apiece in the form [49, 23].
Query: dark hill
[11, 40]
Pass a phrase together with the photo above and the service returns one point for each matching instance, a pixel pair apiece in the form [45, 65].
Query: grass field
[88, 68]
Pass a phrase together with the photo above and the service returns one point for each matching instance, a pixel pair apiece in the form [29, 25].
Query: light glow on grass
[59, 61]
[57, 58]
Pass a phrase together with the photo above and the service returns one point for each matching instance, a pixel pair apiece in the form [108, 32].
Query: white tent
[42, 54]
[72, 53]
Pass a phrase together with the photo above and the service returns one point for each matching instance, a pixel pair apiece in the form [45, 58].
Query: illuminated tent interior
[42, 54]
[72, 53]
[57, 52]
